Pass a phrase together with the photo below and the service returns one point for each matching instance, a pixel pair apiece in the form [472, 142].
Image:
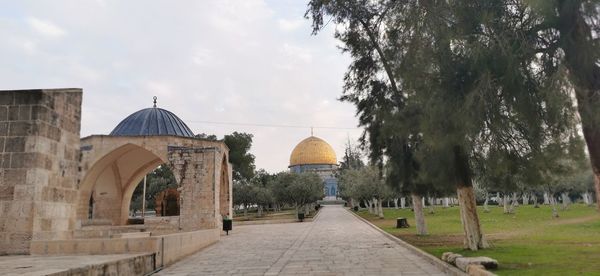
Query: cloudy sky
[246, 62]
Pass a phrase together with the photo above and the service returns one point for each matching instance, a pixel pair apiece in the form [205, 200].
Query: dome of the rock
[313, 151]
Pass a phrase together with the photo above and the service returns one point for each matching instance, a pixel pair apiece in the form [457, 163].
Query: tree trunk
[586, 198]
[245, 210]
[536, 204]
[554, 207]
[431, 202]
[402, 202]
[396, 203]
[525, 199]
[579, 48]
[419, 216]
[307, 209]
[446, 201]
[546, 198]
[474, 238]
[505, 200]
[514, 203]
[486, 208]
[380, 211]
[597, 185]
[565, 201]
[260, 208]
[370, 206]
[374, 202]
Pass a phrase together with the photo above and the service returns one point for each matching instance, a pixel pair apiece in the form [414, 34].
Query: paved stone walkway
[336, 243]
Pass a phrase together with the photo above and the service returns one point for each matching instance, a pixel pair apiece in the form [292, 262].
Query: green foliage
[451, 90]
[352, 158]
[205, 136]
[243, 193]
[157, 181]
[363, 184]
[239, 144]
[297, 189]
[562, 165]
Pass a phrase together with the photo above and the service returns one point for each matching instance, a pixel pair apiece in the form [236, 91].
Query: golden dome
[313, 150]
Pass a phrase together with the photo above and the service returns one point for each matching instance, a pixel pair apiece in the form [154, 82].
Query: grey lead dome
[152, 121]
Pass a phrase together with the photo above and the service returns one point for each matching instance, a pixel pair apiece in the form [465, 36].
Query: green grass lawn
[529, 242]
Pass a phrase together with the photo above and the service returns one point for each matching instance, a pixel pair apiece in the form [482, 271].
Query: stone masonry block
[30, 160]
[37, 177]
[13, 113]
[3, 128]
[6, 97]
[3, 113]
[478, 270]
[14, 176]
[4, 160]
[24, 192]
[20, 242]
[7, 192]
[464, 262]
[24, 113]
[20, 209]
[15, 144]
[28, 97]
[22, 129]
[43, 114]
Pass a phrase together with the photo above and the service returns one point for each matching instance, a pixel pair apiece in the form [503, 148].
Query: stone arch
[111, 180]
[225, 189]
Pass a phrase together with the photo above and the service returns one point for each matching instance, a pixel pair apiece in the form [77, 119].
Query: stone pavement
[335, 243]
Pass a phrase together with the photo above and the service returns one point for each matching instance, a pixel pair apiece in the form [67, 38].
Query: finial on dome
[154, 101]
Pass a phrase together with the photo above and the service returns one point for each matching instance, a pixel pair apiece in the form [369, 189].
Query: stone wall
[39, 152]
[198, 172]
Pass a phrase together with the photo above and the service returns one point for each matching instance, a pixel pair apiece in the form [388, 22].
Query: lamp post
[144, 199]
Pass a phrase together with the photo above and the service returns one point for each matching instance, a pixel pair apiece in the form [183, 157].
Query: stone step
[103, 231]
[96, 222]
[131, 235]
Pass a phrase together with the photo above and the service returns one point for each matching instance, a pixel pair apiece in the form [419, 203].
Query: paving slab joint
[426, 256]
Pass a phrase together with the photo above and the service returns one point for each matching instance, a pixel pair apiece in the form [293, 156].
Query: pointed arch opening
[106, 188]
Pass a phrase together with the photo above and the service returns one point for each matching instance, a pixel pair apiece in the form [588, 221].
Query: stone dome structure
[313, 151]
[152, 121]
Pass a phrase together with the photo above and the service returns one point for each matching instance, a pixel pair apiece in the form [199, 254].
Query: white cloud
[85, 73]
[46, 28]
[158, 88]
[296, 52]
[290, 25]
[202, 57]
[29, 47]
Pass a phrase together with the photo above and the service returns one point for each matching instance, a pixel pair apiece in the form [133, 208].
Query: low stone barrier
[138, 265]
[471, 265]
[167, 248]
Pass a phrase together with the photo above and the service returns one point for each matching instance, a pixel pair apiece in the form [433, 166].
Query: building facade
[315, 155]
